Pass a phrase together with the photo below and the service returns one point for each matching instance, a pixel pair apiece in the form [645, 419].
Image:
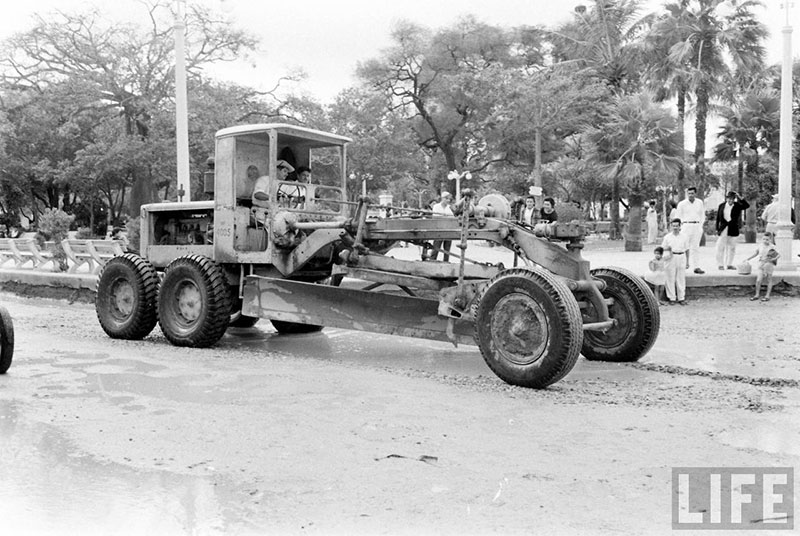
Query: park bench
[8, 252]
[93, 253]
[23, 251]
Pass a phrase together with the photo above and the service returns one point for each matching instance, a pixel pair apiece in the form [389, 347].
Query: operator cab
[247, 155]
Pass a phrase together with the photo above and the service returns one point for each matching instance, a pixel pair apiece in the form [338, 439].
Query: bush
[568, 213]
[84, 233]
[54, 225]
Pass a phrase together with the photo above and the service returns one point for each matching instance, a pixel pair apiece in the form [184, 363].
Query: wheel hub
[189, 302]
[519, 329]
[122, 298]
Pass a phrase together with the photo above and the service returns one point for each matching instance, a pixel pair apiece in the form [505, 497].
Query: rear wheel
[194, 302]
[635, 309]
[528, 327]
[127, 291]
[6, 340]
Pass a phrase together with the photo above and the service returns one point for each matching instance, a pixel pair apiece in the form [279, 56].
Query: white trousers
[676, 278]
[726, 248]
[693, 233]
[652, 232]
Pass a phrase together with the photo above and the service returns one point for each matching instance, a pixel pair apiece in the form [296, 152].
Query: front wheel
[6, 340]
[194, 302]
[635, 309]
[127, 291]
[528, 327]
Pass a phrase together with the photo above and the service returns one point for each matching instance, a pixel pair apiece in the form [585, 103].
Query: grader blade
[347, 308]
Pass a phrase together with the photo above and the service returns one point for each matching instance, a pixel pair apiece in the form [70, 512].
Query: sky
[327, 38]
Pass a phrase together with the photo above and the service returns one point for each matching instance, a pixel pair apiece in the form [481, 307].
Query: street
[342, 432]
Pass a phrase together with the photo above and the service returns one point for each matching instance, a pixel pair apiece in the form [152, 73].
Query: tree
[123, 69]
[711, 31]
[383, 147]
[547, 104]
[639, 137]
[751, 129]
[444, 82]
[602, 40]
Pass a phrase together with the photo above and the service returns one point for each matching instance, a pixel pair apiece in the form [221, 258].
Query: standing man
[770, 215]
[729, 215]
[652, 222]
[527, 213]
[440, 210]
[692, 213]
[675, 246]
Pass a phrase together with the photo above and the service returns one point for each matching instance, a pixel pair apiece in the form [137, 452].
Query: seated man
[261, 188]
[260, 196]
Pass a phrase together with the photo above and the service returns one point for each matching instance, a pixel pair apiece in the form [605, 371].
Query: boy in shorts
[767, 255]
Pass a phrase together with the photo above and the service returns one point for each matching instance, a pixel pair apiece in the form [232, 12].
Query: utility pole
[181, 108]
[784, 234]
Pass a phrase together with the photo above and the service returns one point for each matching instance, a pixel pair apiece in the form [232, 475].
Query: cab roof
[290, 133]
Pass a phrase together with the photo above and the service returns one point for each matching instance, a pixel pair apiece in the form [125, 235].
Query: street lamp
[456, 176]
[364, 178]
[181, 112]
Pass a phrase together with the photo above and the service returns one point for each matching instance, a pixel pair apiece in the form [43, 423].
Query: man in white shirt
[770, 215]
[675, 246]
[528, 213]
[692, 213]
[440, 210]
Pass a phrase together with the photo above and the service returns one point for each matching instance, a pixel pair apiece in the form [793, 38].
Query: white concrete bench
[23, 251]
[93, 253]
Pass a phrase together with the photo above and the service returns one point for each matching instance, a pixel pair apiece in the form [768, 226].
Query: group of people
[679, 249]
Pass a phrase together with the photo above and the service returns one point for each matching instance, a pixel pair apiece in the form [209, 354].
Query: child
[657, 275]
[767, 255]
[676, 246]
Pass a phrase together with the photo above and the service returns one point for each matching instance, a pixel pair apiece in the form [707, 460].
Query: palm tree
[711, 31]
[639, 137]
[751, 128]
[602, 39]
[664, 78]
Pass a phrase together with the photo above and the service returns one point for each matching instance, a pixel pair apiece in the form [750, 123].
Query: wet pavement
[126, 475]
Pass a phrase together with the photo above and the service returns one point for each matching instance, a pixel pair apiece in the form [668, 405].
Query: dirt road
[320, 434]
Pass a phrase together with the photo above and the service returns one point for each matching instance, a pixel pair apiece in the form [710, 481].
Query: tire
[6, 340]
[528, 327]
[127, 293]
[194, 302]
[635, 309]
[292, 328]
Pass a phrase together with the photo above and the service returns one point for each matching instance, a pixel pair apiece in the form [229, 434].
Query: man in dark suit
[729, 214]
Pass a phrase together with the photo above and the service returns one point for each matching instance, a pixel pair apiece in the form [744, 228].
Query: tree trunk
[142, 192]
[633, 235]
[613, 209]
[682, 139]
[700, 137]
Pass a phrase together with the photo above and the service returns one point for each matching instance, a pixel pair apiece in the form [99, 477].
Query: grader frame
[321, 260]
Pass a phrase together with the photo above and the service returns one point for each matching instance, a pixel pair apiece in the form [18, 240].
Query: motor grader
[308, 257]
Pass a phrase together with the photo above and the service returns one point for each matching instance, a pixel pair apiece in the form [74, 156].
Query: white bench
[93, 253]
[23, 251]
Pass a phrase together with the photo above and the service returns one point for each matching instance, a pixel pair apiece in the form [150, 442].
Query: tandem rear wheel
[635, 309]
